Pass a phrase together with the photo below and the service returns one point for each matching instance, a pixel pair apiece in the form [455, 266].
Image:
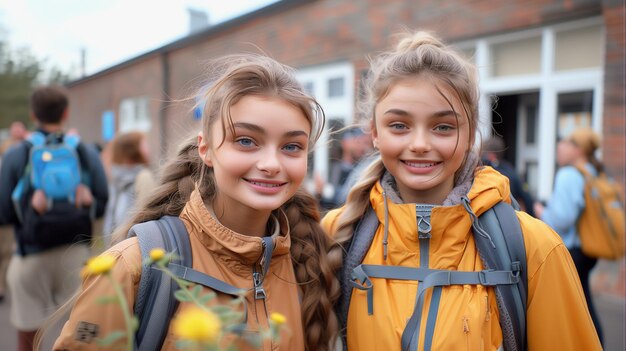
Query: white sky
[111, 31]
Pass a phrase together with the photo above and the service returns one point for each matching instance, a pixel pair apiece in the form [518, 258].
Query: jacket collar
[228, 244]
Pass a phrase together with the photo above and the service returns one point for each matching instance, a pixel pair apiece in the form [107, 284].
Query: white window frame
[134, 114]
[550, 83]
[341, 108]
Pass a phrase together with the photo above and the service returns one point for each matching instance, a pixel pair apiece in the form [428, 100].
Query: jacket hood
[451, 223]
[124, 176]
[237, 250]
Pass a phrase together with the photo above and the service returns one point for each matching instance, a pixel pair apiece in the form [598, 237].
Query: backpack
[56, 168]
[155, 302]
[601, 222]
[500, 244]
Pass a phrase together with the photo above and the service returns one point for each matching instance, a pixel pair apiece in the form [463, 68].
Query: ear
[203, 150]
[374, 134]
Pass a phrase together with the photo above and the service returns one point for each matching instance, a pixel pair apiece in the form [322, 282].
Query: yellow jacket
[468, 317]
[218, 252]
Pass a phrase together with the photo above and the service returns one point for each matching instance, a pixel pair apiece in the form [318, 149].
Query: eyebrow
[258, 129]
[443, 113]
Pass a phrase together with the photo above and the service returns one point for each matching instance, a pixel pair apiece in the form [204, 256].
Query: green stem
[128, 319]
[181, 285]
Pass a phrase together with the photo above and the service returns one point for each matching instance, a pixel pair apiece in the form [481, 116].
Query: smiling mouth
[421, 164]
[264, 184]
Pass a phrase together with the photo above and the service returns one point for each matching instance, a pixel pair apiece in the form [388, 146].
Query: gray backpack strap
[155, 302]
[509, 253]
[358, 246]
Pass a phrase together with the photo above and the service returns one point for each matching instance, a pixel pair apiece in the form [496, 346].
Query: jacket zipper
[260, 307]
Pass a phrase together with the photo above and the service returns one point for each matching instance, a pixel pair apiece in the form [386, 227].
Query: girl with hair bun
[567, 201]
[235, 185]
[426, 188]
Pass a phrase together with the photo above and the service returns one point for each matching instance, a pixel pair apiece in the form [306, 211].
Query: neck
[242, 220]
[51, 128]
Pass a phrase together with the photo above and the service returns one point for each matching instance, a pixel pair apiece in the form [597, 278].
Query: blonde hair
[417, 55]
[232, 78]
[588, 141]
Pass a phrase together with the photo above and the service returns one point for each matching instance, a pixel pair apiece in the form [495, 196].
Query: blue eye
[293, 148]
[397, 126]
[245, 142]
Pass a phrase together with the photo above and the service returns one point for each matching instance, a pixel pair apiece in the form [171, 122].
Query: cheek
[297, 169]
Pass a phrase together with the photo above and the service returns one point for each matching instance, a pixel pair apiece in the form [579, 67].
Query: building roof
[201, 35]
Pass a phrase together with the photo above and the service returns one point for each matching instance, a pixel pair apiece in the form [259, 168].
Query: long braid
[314, 271]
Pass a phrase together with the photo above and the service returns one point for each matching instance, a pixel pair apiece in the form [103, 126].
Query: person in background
[426, 189]
[130, 180]
[17, 133]
[493, 155]
[568, 201]
[355, 145]
[41, 277]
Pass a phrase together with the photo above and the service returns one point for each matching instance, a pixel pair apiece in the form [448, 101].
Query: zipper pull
[259, 291]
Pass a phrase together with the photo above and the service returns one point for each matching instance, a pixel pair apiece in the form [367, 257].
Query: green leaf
[181, 295]
[184, 344]
[195, 292]
[134, 323]
[103, 300]
[111, 338]
[254, 340]
[207, 297]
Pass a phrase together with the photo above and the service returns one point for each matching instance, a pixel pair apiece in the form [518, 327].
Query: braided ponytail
[314, 271]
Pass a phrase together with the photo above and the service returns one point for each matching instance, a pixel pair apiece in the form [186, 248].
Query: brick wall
[323, 31]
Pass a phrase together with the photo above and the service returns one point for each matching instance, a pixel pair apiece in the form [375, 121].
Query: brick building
[549, 64]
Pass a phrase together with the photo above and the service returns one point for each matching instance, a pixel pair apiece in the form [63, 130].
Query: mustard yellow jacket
[468, 317]
[218, 252]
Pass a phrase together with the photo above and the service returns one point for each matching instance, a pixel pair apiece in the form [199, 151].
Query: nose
[269, 162]
[420, 141]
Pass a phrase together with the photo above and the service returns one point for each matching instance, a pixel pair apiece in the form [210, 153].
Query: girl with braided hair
[234, 185]
[425, 190]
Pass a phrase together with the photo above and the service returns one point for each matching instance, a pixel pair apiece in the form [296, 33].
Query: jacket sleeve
[99, 185]
[11, 170]
[89, 319]
[557, 314]
[567, 200]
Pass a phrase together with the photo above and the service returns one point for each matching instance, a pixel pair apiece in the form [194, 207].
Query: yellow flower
[278, 318]
[157, 254]
[199, 325]
[99, 265]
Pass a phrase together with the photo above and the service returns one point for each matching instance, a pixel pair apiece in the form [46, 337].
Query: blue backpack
[54, 166]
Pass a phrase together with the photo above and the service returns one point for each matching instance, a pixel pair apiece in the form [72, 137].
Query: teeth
[420, 165]
[266, 184]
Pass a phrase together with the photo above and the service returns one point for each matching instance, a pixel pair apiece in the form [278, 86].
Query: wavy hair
[232, 78]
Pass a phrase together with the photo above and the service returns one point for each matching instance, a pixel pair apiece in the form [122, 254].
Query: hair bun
[412, 42]
[586, 138]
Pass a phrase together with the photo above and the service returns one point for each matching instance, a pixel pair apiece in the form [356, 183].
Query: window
[574, 111]
[135, 114]
[516, 57]
[336, 87]
[309, 88]
[579, 48]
